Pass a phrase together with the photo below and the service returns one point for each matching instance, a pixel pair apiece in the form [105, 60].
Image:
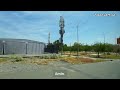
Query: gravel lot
[101, 70]
[18, 67]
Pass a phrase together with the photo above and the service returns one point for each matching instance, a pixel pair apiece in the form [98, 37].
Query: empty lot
[101, 70]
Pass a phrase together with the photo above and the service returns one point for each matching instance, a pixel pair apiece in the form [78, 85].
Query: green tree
[87, 48]
[57, 44]
[76, 46]
[98, 48]
[108, 47]
[65, 47]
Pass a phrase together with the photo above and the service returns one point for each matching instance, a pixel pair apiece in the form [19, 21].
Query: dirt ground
[65, 67]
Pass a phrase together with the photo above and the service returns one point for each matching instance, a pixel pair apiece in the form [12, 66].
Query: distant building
[21, 46]
[118, 40]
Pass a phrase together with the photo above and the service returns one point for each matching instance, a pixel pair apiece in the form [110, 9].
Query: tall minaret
[49, 38]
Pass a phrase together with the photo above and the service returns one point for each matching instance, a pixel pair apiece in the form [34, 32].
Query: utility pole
[104, 43]
[70, 49]
[49, 38]
[116, 45]
[77, 42]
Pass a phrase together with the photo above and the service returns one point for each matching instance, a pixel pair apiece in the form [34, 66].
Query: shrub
[19, 59]
[46, 57]
[52, 56]
[108, 53]
[16, 58]
[3, 60]
[84, 53]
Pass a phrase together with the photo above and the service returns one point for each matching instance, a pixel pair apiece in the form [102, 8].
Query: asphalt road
[63, 70]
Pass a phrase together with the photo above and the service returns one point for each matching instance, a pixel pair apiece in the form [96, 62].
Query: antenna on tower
[61, 31]
[49, 38]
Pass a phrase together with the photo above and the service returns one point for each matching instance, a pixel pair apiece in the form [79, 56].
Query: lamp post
[104, 43]
[77, 42]
[3, 47]
[70, 49]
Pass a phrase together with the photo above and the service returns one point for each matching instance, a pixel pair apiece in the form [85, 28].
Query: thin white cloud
[24, 29]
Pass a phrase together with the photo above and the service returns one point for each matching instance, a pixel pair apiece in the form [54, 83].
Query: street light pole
[70, 49]
[104, 43]
[77, 42]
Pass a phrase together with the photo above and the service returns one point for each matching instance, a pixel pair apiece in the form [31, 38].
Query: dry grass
[38, 61]
[75, 53]
[43, 62]
[72, 60]
[80, 60]
[112, 57]
[68, 53]
[2, 60]
[83, 53]
[46, 60]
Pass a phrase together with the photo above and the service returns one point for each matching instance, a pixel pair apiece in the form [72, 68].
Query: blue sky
[35, 25]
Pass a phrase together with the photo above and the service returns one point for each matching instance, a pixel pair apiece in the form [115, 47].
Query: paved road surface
[63, 70]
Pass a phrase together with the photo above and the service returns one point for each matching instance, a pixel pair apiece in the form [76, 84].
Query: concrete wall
[19, 46]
